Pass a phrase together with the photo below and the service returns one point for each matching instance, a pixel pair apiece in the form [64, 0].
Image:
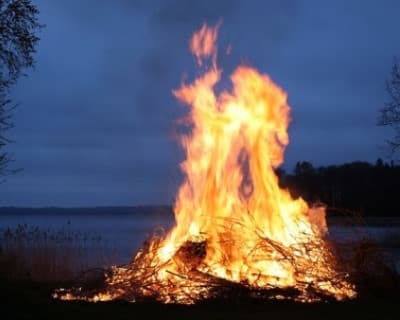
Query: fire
[234, 224]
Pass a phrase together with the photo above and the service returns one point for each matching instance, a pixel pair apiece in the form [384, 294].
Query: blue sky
[96, 121]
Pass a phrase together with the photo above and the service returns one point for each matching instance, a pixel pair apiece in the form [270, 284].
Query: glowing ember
[234, 226]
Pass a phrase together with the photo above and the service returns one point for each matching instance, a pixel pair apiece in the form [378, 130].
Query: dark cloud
[179, 15]
[171, 24]
[96, 122]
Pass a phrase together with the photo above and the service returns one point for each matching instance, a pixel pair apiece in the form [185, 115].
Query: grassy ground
[42, 255]
[27, 300]
[30, 271]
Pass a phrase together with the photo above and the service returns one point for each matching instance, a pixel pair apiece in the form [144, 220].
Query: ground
[27, 295]
[27, 300]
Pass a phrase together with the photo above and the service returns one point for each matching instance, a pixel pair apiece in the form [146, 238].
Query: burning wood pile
[237, 233]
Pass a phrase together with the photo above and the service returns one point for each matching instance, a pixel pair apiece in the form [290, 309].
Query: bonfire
[237, 233]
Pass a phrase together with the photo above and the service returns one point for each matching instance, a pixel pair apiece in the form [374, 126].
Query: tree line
[357, 187]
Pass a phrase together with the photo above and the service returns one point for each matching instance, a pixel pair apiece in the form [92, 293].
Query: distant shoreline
[117, 210]
[167, 210]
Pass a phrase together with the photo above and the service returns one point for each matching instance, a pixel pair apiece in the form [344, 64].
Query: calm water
[125, 233]
[121, 233]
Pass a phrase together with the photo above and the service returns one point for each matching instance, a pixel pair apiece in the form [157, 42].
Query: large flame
[233, 221]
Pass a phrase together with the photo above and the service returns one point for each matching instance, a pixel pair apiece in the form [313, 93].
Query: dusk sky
[96, 121]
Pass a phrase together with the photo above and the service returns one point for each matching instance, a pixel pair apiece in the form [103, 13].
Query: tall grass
[44, 255]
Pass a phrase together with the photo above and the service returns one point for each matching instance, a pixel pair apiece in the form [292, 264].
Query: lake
[123, 234]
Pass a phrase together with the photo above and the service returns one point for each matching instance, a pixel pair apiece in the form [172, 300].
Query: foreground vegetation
[33, 262]
[30, 300]
[29, 253]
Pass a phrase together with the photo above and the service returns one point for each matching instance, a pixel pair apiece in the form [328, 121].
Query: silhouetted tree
[303, 168]
[390, 113]
[379, 163]
[18, 37]
[360, 187]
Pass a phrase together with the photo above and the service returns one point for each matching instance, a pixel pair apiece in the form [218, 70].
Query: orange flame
[231, 198]
[233, 221]
[204, 44]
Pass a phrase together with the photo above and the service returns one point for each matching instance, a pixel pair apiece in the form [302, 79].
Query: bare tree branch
[389, 114]
[18, 38]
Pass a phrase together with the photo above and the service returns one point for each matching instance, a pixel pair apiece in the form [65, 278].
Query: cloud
[97, 118]
[179, 15]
